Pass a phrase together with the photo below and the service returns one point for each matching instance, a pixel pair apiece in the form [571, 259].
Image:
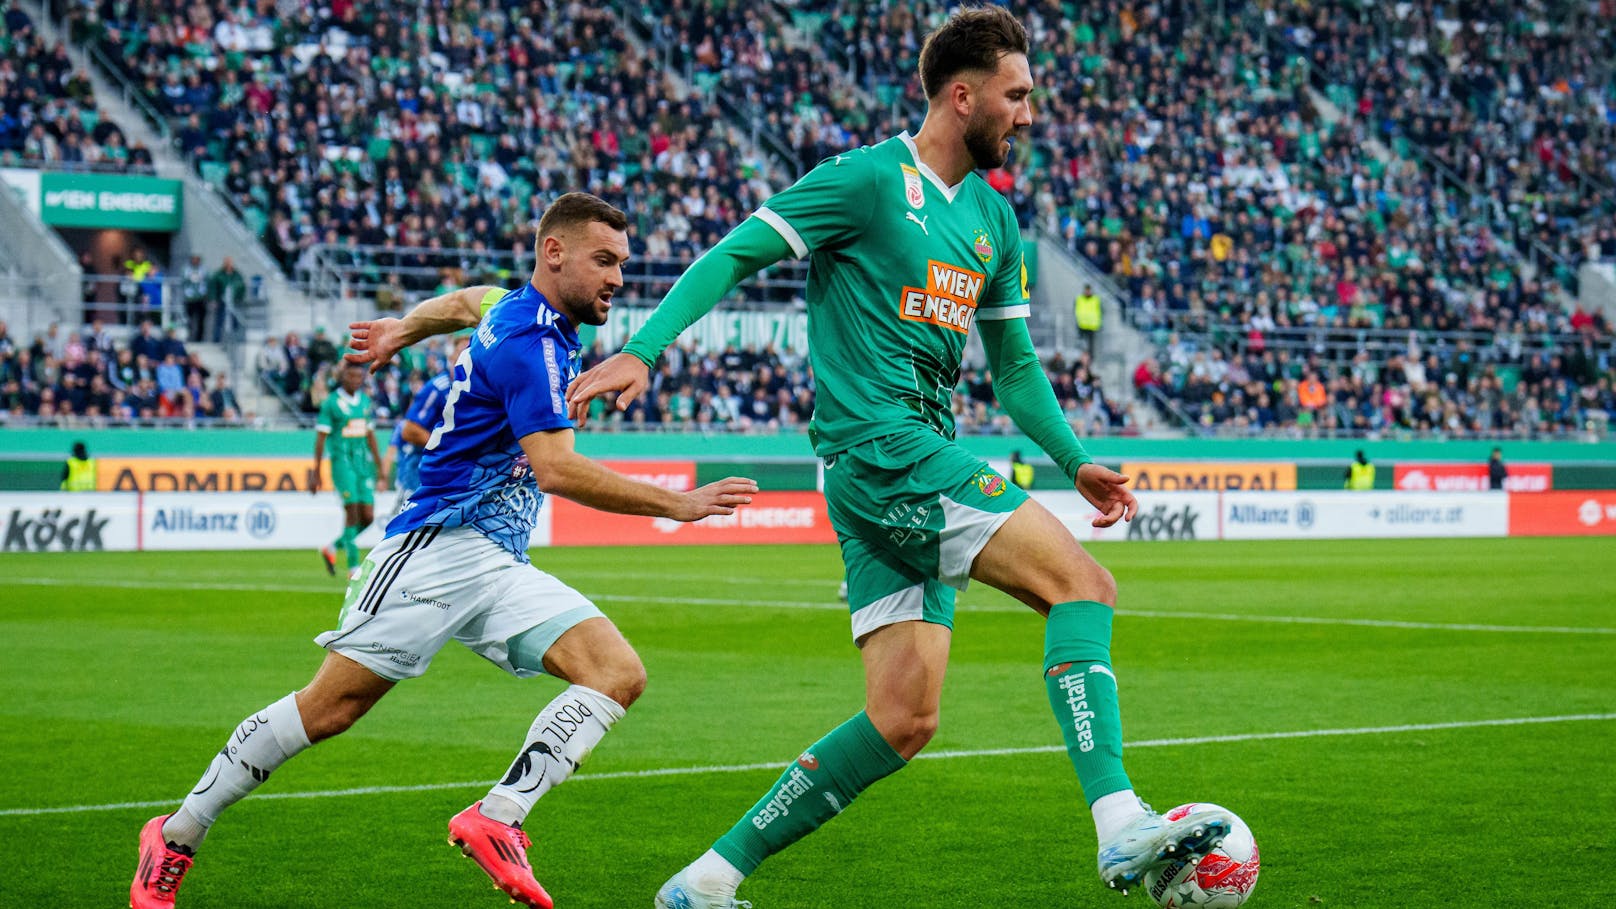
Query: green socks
[1083, 694]
[814, 789]
[828, 776]
[350, 549]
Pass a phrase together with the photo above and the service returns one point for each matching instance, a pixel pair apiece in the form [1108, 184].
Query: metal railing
[78, 421]
[1341, 343]
[120, 300]
[132, 96]
[1168, 406]
[348, 271]
[15, 159]
[292, 408]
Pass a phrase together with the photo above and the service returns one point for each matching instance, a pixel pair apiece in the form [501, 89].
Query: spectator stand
[314, 127]
[104, 375]
[50, 114]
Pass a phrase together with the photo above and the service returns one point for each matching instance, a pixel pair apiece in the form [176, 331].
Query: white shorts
[415, 591]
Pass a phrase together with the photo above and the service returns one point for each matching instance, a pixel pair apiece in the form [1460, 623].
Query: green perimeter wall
[32, 458]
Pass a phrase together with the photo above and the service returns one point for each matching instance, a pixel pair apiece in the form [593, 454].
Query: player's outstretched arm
[749, 247]
[377, 341]
[322, 428]
[562, 471]
[1024, 391]
[319, 455]
[376, 457]
[416, 434]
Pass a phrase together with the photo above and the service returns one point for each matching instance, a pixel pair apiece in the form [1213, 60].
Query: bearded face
[985, 141]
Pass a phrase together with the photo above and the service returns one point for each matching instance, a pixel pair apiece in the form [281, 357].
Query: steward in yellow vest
[1360, 473]
[78, 474]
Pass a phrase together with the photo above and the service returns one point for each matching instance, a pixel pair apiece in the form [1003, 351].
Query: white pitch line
[929, 755]
[124, 583]
[1366, 623]
[160, 584]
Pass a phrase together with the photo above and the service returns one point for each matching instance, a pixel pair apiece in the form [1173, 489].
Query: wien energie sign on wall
[108, 200]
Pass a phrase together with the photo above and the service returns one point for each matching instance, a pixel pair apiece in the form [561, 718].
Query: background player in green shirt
[355, 461]
[910, 249]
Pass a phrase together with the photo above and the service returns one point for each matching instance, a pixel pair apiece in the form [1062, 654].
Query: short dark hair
[973, 39]
[575, 209]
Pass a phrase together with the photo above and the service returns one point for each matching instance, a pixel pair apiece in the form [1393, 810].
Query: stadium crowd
[422, 127]
[48, 112]
[1518, 100]
[1513, 385]
[1178, 146]
[737, 389]
[101, 376]
[1179, 150]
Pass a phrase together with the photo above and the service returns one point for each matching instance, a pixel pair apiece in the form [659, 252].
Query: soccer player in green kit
[355, 461]
[910, 249]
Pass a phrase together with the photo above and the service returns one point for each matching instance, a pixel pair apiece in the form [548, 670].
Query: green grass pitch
[123, 673]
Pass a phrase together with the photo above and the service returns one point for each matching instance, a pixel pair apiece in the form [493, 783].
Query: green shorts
[356, 487]
[912, 511]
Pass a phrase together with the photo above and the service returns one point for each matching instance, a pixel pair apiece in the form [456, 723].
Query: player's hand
[622, 373]
[375, 342]
[314, 484]
[722, 497]
[1108, 491]
[381, 484]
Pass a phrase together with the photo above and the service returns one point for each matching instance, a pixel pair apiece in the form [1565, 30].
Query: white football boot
[678, 894]
[1151, 840]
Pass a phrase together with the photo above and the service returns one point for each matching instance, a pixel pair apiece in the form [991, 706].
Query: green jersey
[345, 419]
[901, 266]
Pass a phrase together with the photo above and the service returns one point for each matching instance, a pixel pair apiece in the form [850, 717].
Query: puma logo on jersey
[921, 221]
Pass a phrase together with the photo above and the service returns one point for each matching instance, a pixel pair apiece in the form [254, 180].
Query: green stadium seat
[808, 23]
[213, 172]
[256, 220]
[1508, 378]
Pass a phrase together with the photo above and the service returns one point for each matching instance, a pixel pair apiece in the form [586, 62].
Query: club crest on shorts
[1058, 669]
[991, 484]
[983, 244]
[808, 761]
[913, 192]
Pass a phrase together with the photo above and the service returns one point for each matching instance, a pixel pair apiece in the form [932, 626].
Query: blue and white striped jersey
[510, 381]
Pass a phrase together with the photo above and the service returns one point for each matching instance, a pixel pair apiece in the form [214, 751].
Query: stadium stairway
[39, 277]
[1597, 288]
[1119, 347]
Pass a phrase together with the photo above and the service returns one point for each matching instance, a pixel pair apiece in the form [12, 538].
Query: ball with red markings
[1221, 879]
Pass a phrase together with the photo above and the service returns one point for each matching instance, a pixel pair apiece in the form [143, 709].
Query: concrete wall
[45, 285]
[1597, 288]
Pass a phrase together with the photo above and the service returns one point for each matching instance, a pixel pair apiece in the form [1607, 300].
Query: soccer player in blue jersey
[454, 565]
[415, 428]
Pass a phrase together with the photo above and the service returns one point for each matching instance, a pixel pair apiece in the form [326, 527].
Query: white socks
[564, 733]
[1113, 812]
[262, 742]
[713, 876]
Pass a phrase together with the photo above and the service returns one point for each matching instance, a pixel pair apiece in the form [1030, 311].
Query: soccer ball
[1221, 879]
